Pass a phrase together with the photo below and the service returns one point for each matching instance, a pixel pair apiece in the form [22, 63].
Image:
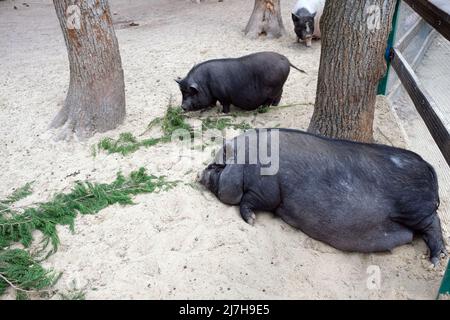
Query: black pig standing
[247, 82]
[352, 196]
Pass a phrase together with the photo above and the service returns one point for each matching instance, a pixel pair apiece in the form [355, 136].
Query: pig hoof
[435, 262]
[251, 220]
[442, 253]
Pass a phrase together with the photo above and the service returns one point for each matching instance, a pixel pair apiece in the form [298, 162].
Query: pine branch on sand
[20, 271]
[18, 268]
[18, 194]
[85, 198]
[174, 119]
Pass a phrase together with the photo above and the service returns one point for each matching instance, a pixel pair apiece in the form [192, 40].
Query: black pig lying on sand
[352, 196]
[247, 82]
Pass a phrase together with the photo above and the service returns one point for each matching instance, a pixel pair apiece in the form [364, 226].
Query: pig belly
[343, 235]
[250, 99]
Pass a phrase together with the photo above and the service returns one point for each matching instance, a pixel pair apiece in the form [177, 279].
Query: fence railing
[440, 20]
[422, 100]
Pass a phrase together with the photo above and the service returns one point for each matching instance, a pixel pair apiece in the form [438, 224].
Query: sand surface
[183, 243]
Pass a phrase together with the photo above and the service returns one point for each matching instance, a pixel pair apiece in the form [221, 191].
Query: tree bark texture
[354, 40]
[265, 20]
[95, 100]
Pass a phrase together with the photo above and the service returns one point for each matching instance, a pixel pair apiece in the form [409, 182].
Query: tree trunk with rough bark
[95, 100]
[354, 37]
[265, 20]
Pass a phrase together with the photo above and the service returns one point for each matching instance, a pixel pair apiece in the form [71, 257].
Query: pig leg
[225, 107]
[432, 235]
[247, 213]
[277, 100]
[308, 42]
[247, 208]
[253, 200]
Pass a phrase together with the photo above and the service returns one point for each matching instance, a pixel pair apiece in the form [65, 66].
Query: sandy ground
[183, 243]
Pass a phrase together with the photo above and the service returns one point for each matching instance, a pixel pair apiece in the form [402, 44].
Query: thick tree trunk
[354, 37]
[265, 20]
[95, 100]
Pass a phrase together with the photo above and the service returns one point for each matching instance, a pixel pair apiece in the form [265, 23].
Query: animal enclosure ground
[183, 243]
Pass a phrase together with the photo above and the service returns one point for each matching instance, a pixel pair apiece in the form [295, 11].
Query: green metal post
[445, 285]
[383, 83]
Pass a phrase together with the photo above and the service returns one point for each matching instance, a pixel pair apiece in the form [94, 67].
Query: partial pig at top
[247, 82]
[306, 17]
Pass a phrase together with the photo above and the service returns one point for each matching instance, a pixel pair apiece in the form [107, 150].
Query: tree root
[60, 119]
[68, 128]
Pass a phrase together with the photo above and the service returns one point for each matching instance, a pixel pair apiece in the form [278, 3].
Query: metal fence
[416, 25]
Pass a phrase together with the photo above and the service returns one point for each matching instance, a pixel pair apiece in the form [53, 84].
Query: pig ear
[194, 88]
[294, 17]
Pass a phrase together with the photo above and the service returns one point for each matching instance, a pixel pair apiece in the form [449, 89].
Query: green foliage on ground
[224, 123]
[17, 195]
[73, 294]
[19, 268]
[263, 109]
[125, 144]
[21, 271]
[173, 120]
